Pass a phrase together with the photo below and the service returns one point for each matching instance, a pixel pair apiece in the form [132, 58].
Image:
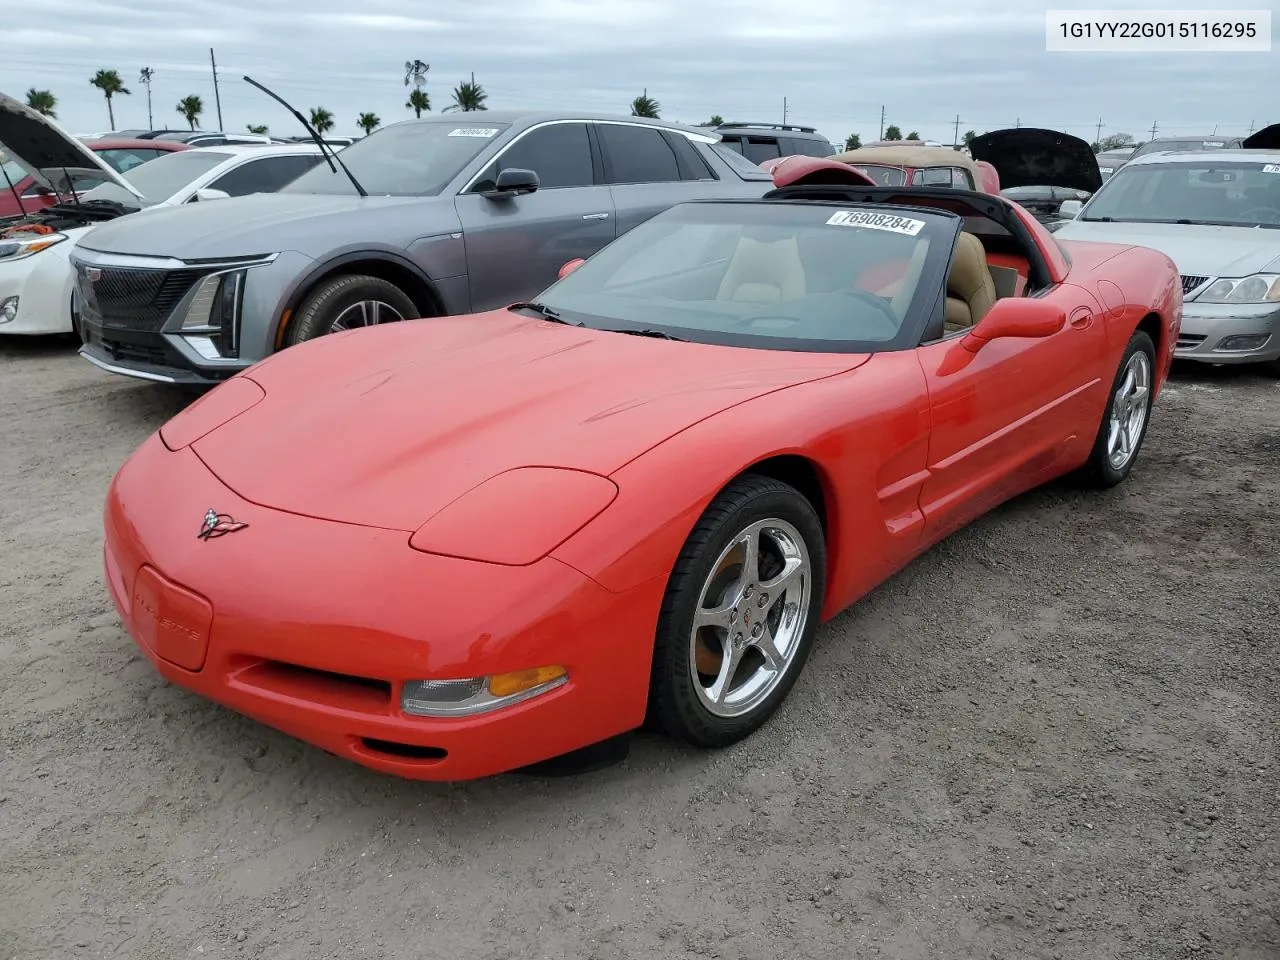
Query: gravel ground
[1054, 736]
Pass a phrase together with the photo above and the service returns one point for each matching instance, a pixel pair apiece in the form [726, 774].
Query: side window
[638, 154]
[560, 154]
[287, 169]
[690, 162]
[932, 177]
[960, 179]
[760, 149]
[733, 143]
[256, 176]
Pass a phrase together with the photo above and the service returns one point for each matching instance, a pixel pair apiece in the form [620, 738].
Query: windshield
[411, 159]
[1235, 193]
[783, 276]
[159, 179]
[1179, 146]
[883, 174]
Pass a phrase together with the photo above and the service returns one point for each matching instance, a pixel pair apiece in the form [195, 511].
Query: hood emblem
[92, 274]
[218, 525]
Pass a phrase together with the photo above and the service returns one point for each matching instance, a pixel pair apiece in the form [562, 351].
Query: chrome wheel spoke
[750, 543]
[729, 663]
[774, 658]
[1129, 411]
[715, 616]
[792, 573]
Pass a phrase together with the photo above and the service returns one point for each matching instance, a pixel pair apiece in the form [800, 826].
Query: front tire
[348, 302]
[1128, 413]
[739, 615]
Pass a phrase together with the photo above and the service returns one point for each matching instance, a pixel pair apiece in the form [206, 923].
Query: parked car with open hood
[423, 218]
[1216, 214]
[36, 278]
[1040, 169]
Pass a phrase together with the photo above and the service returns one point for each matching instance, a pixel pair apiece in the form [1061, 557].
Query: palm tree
[321, 119]
[969, 137]
[715, 120]
[852, 142]
[259, 128]
[108, 81]
[42, 101]
[468, 96]
[367, 122]
[191, 107]
[418, 101]
[645, 106]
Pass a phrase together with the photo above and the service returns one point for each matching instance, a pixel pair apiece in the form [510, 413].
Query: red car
[121, 154]
[454, 547]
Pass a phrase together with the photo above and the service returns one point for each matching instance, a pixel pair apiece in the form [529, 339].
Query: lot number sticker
[876, 221]
[485, 132]
[1271, 168]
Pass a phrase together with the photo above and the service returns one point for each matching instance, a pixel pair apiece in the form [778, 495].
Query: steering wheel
[1252, 213]
[877, 302]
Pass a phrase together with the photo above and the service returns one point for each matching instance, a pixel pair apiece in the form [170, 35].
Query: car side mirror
[512, 183]
[1070, 208]
[208, 193]
[1016, 317]
[571, 266]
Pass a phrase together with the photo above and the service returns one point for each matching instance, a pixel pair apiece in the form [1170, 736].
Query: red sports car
[453, 547]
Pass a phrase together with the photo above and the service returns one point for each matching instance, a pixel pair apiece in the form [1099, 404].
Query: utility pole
[1251, 124]
[213, 65]
[784, 111]
[955, 139]
[145, 80]
[881, 137]
[1154, 127]
[1018, 122]
[1097, 137]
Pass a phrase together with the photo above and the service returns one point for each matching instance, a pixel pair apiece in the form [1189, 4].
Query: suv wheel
[349, 302]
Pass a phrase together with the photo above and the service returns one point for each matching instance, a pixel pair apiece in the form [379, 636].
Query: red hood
[383, 427]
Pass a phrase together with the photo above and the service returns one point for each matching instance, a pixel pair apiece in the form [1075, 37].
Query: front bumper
[42, 285]
[139, 332]
[312, 627]
[1205, 327]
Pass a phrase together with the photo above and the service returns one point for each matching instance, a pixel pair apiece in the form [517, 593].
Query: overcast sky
[835, 61]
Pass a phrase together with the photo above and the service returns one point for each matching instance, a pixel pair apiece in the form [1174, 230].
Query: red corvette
[453, 547]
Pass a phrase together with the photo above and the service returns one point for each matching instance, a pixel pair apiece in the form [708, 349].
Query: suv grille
[1190, 283]
[136, 299]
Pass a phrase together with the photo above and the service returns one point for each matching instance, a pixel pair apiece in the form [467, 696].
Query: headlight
[1259, 288]
[462, 698]
[214, 313]
[518, 517]
[25, 245]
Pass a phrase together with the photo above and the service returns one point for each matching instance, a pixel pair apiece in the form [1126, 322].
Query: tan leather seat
[764, 272]
[970, 289]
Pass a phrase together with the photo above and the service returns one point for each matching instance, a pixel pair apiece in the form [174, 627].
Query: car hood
[1200, 251]
[1268, 138]
[1033, 157]
[261, 223]
[46, 151]
[385, 426]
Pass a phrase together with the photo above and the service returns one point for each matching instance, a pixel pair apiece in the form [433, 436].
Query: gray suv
[760, 142]
[430, 217]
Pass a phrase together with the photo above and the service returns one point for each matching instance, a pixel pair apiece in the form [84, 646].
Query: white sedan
[36, 279]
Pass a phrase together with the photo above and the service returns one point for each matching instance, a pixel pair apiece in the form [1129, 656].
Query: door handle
[595, 216]
[1081, 317]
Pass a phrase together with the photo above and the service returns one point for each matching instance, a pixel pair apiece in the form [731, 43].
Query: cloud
[926, 63]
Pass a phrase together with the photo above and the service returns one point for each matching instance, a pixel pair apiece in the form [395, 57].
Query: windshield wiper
[542, 310]
[330, 155]
[659, 334]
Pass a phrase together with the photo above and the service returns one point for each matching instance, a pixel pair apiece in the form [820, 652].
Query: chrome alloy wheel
[1129, 410]
[366, 313]
[750, 618]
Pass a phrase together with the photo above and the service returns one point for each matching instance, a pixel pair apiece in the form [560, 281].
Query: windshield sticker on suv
[485, 132]
[1214, 143]
[1271, 168]
[876, 221]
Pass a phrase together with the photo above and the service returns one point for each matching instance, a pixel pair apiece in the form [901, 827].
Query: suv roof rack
[795, 128]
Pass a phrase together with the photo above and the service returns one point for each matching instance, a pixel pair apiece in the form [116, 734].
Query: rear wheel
[349, 302]
[740, 613]
[1124, 424]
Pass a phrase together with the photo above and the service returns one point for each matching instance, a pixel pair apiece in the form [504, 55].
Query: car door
[648, 170]
[515, 246]
[1003, 419]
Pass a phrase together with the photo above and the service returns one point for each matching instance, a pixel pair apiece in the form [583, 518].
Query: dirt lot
[1055, 736]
